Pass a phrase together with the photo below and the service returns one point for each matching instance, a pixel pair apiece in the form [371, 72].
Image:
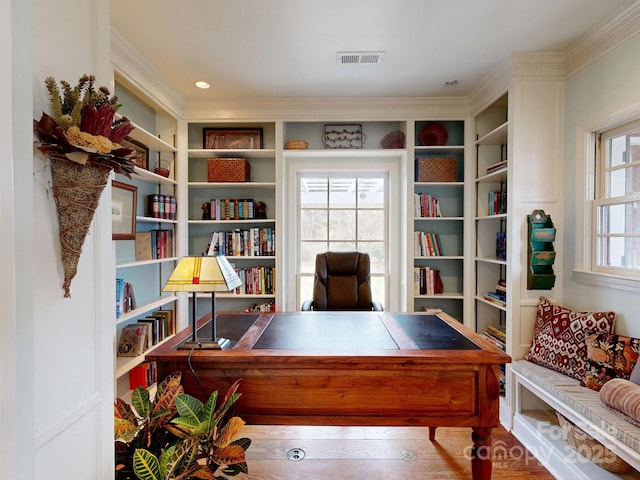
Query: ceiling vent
[355, 58]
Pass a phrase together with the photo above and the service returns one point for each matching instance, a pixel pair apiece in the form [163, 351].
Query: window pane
[342, 224]
[621, 220]
[376, 255]
[378, 290]
[342, 193]
[371, 193]
[621, 252]
[370, 224]
[314, 192]
[624, 180]
[342, 246]
[305, 288]
[308, 252]
[313, 225]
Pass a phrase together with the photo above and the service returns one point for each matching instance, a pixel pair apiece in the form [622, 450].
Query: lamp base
[222, 343]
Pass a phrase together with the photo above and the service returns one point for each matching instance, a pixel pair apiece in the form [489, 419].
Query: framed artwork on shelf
[123, 211]
[140, 155]
[232, 138]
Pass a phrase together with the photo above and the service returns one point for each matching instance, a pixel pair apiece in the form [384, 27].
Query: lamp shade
[202, 274]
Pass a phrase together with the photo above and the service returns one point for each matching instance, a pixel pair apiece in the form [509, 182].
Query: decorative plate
[393, 140]
[433, 134]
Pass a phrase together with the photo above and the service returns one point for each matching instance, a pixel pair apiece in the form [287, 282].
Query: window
[616, 246]
[341, 213]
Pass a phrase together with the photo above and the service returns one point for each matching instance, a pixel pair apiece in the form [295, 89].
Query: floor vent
[355, 58]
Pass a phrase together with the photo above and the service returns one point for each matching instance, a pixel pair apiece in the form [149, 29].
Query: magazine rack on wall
[540, 252]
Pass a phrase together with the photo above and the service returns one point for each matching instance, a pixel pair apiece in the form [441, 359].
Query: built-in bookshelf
[145, 261]
[438, 217]
[245, 227]
[491, 203]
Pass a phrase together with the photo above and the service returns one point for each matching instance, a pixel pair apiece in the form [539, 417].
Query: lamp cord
[195, 375]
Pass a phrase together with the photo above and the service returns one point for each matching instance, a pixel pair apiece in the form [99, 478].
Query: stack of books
[426, 206]
[497, 203]
[252, 242]
[496, 166]
[427, 244]
[499, 295]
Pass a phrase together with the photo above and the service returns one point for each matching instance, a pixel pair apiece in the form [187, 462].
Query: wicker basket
[228, 170]
[436, 169]
[162, 168]
[297, 145]
[590, 448]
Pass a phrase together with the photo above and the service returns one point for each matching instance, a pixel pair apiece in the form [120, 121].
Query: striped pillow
[623, 397]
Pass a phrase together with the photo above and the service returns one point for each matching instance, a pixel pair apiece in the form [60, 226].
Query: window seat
[539, 393]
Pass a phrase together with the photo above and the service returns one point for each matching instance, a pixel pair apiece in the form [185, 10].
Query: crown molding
[494, 85]
[133, 70]
[322, 109]
[603, 38]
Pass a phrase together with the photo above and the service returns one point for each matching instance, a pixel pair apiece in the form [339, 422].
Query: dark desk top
[359, 331]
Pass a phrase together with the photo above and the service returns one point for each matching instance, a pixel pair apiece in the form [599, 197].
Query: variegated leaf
[146, 466]
[229, 431]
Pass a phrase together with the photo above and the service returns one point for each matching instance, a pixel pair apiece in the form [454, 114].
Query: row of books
[136, 338]
[427, 281]
[426, 206]
[230, 209]
[499, 295]
[257, 281]
[125, 299]
[143, 375]
[427, 244]
[496, 166]
[155, 244]
[253, 242]
[497, 203]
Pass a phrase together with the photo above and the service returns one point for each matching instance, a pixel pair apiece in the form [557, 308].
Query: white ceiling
[287, 48]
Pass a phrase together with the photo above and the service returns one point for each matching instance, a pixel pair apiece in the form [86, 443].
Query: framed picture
[232, 138]
[123, 211]
[140, 155]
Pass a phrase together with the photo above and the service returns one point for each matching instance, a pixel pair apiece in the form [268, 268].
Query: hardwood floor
[377, 453]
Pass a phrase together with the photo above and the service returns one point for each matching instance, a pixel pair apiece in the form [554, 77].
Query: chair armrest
[307, 306]
[377, 307]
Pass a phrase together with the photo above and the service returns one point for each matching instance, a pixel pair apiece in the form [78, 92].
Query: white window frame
[392, 167]
[586, 271]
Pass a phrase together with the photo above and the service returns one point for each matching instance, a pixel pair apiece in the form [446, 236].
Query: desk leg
[432, 434]
[481, 453]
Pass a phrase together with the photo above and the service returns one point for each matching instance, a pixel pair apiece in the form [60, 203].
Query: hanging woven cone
[76, 189]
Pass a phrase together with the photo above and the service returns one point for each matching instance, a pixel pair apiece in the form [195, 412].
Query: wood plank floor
[377, 453]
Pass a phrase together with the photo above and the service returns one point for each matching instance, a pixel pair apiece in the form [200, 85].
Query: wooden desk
[352, 368]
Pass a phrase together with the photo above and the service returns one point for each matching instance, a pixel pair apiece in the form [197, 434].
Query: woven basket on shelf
[436, 169]
[590, 448]
[296, 145]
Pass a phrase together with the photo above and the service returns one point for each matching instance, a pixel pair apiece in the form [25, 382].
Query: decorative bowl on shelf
[433, 134]
[393, 140]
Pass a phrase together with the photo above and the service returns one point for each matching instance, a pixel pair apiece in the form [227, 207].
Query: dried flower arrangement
[81, 137]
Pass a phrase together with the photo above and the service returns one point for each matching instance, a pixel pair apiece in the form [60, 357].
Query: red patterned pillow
[559, 337]
[609, 356]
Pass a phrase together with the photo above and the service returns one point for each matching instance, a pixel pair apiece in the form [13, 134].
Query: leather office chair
[342, 282]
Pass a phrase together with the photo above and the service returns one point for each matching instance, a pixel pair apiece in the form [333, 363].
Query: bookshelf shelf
[446, 229]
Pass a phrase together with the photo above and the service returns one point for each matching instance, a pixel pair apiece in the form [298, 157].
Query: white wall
[593, 96]
[56, 358]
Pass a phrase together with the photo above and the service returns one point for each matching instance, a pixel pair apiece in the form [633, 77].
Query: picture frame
[140, 155]
[123, 210]
[232, 138]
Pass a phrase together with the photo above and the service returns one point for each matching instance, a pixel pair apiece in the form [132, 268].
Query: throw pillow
[623, 397]
[609, 356]
[635, 374]
[559, 337]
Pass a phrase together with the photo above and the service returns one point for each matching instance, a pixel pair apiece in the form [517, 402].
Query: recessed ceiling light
[202, 85]
[448, 83]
